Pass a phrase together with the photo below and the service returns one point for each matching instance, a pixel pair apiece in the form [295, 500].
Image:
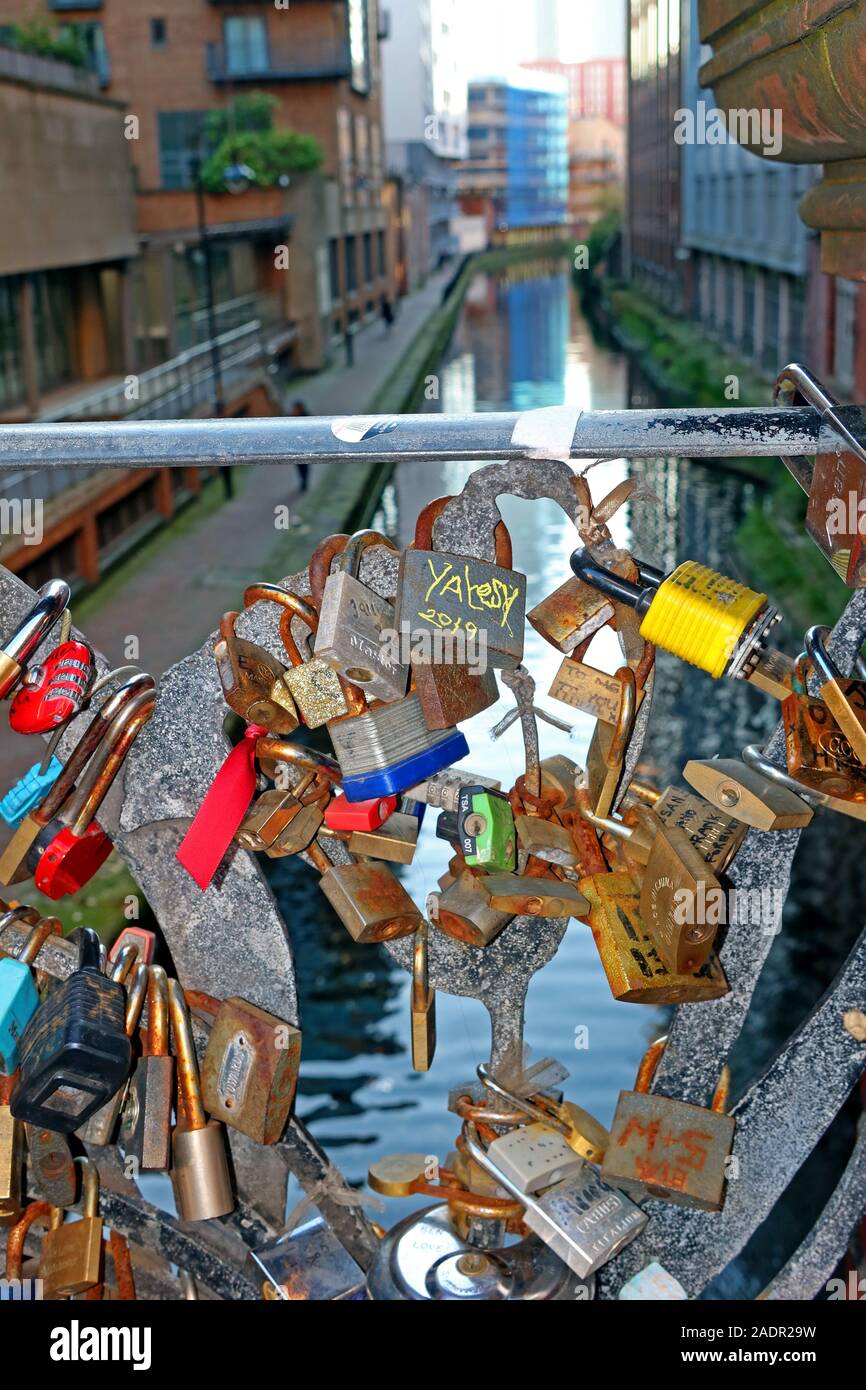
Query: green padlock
[485, 827]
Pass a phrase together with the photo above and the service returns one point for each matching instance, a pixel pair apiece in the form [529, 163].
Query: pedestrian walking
[387, 314]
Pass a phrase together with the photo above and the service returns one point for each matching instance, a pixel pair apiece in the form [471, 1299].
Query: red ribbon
[221, 812]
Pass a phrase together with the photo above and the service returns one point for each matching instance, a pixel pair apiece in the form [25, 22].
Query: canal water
[522, 342]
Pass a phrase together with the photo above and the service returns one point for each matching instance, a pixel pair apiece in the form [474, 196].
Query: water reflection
[521, 343]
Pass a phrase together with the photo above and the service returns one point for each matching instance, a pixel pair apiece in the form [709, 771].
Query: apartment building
[596, 135]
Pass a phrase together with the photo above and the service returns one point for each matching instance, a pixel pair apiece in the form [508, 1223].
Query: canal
[522, 342]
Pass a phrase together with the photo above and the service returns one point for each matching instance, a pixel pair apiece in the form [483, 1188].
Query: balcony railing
[47, 72]
[75, 4]
[327, 60]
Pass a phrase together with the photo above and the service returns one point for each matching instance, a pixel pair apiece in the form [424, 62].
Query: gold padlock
[607, 749]
[571, 614]
[370, 902]
[464, 912]
[247, 675]
[71, 1260]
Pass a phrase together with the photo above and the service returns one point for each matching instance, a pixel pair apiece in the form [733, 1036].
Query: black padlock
[74, 1051]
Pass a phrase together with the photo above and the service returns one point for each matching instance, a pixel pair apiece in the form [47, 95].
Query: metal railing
[326, 58]
[47, 72]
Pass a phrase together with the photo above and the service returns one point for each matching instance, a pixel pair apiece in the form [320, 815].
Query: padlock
[442, 789]
[844, 697]
[835, 482]
[141, 938]
[11, 1155]
[581, 1132]
[395, 840]
[607, 749]
[19, 998]
[200, 1172]
[247, 675]
[310, 1264]
[558, 779]
[318, 691]
[52, 1167]
[521, 896]
[571, 614]
[464, 912]
[818, 753]
[675, 882]
[448, 689]
[746, 795]
[352, 619]
[71, 1258]
[533, 1156]
[370, 902]
[702, 617]
[630, 957]
[14, 859]
[100, 1128]
[341, 814]
[390, 748]
[422, 1005]
[72, 853]
[716, 837]
[270, 820]
[584, 1221]
[249, 1074]
[546, 839]
[29, 790]
[16, 650]
[146, 1124]
[53, 692]
[771, 671]
[485, 829]
[451, 593]
[74, 1051]
[666, 1148]
[585, 687]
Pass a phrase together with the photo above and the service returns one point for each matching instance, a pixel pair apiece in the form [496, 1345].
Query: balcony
[322, 61]
[75, 4]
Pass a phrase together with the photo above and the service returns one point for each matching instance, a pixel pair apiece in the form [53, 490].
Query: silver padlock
[442, 792]
[310, 1264]
[388, 749]
[352, 619]
[584, 1221]
[51, 603]
[534, 1156]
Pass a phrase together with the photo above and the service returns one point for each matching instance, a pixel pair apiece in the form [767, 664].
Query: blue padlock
[28, 791]
[19, 998]
[390, 781]
[389, 748]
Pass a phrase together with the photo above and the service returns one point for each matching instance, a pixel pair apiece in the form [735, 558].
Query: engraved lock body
[675, 888]
[19, 998]
[660, 1147]
[485, 829]
[440, 592]
[318, 691]
[442, 789]
[583, 686]
[395, 840]
[746, 795]
[390, 748]
[635, 970]
[284, 822]
[74, 1051]
[702, 617]
[146, 1126]
[818, 753]
[21, 855]
[422, 1005]
[249, 1074]
[101, 1127]
[845, 697]
[369, 900]
[352, 621]
[521, 896]
[71, 1259]
[51, 603]
[247, 674]
[453, 678]
[200, 1172]
[835, 483]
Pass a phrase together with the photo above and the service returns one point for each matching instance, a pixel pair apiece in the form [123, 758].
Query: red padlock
[52, 692]
[77, 850]
[341, 814]
[141, 938]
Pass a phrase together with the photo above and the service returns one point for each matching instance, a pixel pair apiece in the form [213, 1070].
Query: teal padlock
[19, 998]
[28, 791]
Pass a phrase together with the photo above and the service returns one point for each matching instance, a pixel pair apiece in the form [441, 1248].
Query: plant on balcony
[244, 134]
[37, 37]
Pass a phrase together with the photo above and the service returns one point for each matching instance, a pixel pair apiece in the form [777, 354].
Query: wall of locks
[113, 1068]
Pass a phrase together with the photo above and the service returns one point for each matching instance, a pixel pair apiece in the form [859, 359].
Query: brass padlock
[845, 697]
[320, 694]
[52, 1167]
[268, 823]
[546, 839]
[666, 1148]
[583, 1134]
[199, 1172]
[464, 912]
[71, 1259]
[533, 897]
[146, 1128]
[250, 1070]
[571, 614]
[588, 689]
[370, 902]
[746, 795]
[607, 748]
[395, 840]
[423, 1005]
[247, 675]
[818, 753]
[630, 957]
[674, 886]
[352, 620]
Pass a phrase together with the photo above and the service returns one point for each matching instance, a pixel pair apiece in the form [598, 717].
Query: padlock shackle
[89, 953]
[51, 604]
[89, 1187]
[816, 650]
[420, 976]
[754, 758]
[88, 743]
[795, 381]
[518, 1102]
[649, 1063]
[27, 916]
[49, 926]
[117, 741]
[188, 1079]
[157, 1012]
[136, 994]
[320, 563]
[599, 577]
[122, 964]
[625, 717]
[358, 542]
[428, 516]
[322, 764]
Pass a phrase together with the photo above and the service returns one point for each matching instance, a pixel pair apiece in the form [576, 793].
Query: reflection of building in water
[537, 335]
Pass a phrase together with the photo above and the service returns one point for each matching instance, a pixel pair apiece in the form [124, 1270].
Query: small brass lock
[370, 902]
[247, 674]
[71, 1260]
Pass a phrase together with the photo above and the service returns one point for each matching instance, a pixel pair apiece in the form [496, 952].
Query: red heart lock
[53, 692]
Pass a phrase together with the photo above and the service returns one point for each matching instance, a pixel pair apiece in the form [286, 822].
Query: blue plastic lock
[18, 1003]
[390, 781]
[28, 791]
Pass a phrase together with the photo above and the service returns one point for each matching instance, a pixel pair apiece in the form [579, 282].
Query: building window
[11, 374]
[368, 259]
[380, 238]
[91, 34]
[351, 265]
[334, 269]
[158, 33]
[246, 44]
[359, 46]
[180, 136]
[53, 316]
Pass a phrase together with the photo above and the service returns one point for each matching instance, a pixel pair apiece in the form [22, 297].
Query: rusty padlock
[369, 900]
[247, 675]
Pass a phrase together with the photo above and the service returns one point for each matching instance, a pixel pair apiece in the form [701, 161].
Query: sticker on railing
[547, 433]
[354, 428]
